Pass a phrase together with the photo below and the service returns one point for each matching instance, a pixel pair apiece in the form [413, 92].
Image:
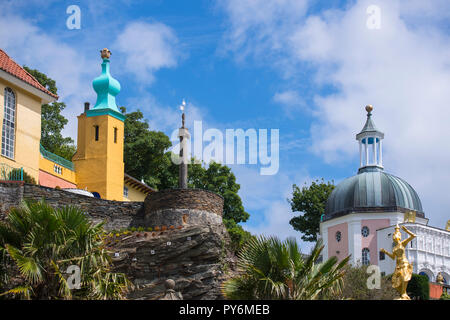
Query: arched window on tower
[365, 256]
[9, 124]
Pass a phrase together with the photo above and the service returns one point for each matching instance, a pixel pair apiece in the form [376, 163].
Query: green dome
[372, 190]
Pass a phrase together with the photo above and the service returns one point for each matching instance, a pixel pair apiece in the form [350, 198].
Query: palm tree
[37, 245]
[274, 269]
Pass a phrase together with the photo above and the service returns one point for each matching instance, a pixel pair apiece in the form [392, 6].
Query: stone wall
[11, 194]
[175, 207]
[196, 199]
[117, 214]
[195, 257]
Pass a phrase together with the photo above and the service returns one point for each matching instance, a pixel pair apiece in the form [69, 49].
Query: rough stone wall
[196, 199]
[180, 217]
[10, 195]
[117, 214]
[195, 257]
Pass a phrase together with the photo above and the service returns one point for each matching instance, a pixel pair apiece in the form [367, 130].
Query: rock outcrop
[195, 257]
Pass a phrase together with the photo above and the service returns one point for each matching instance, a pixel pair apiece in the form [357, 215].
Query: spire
[107, 88]
[370, 145]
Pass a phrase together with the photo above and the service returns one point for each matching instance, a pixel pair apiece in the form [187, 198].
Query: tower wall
[99, 163]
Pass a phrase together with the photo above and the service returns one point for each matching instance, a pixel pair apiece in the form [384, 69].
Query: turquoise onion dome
[107, 88]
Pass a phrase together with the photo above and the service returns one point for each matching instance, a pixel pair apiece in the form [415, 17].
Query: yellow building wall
[47, 166]
[28, 129]
[134, 194]
[99, 164]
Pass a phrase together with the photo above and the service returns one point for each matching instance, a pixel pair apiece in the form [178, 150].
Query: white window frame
[9, 124]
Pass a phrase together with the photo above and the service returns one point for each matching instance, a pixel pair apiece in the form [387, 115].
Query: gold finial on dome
[369, 108]
[105, 53]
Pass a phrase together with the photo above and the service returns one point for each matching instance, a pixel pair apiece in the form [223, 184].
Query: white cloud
[291, 102]
[148, 47]
[72, 71]
[402, 69]
[268, 195]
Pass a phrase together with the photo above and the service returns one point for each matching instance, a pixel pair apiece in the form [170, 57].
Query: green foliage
[144, 150]
[38, 244]
[445, 296]
[355, 286]
[418, 287]
[52, 121]
[26, 177]
[311, 201]
[238, 235]
[273, 269]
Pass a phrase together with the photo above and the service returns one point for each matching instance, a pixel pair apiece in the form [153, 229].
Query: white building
[362, 211]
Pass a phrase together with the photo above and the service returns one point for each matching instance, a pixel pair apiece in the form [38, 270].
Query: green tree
[145, 150]
[52, 121]
[273, 269]
[38, 244]
[418, 287]
[311, 201]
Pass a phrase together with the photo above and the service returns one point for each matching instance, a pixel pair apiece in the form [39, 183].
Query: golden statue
[403, 269]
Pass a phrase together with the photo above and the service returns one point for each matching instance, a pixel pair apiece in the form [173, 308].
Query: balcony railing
[8, 173]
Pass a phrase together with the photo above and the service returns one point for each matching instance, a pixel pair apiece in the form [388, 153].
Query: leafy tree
[311, 201]
[355, 286]
[274, 269]
[418, 287]
[38, 244]
[145, 150]
[52, 121]
[239, 236]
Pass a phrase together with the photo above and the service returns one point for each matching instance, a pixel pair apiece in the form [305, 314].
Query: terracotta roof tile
[10, 66]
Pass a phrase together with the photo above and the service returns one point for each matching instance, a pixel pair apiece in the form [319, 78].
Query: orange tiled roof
[10, 66]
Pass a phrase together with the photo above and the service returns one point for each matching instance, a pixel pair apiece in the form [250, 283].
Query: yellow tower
[99, 158]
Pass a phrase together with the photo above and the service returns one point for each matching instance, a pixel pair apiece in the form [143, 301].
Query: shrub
[39, 243]
[445, 296]
[418, 287]
[355, 286]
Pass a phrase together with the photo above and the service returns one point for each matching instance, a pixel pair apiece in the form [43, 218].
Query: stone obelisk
[184, 135]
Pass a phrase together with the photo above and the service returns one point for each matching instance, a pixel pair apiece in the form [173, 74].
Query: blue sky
[307, 68]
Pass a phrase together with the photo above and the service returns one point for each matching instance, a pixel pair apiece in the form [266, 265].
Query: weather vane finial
[182, 106]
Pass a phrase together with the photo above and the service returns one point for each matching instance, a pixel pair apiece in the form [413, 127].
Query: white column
[381, 153]
[324, 235]
[367, 151]
[360, 154]
[375, 151]
[354, 241]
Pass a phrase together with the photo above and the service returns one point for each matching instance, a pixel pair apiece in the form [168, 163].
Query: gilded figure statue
[403, 269]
